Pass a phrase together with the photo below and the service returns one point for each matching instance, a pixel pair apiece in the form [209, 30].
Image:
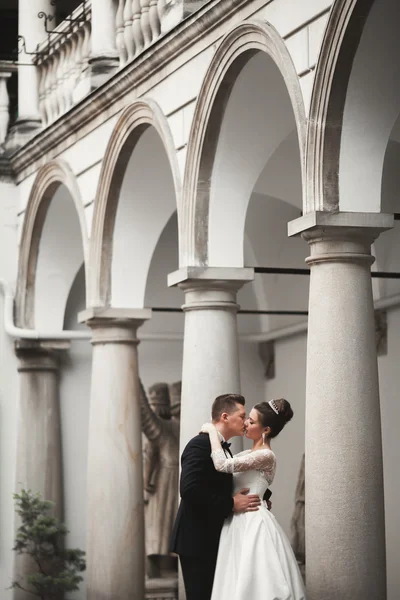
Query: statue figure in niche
[298, 520]
[160, 424]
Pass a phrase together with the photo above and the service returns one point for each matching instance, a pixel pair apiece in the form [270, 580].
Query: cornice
[89, 113]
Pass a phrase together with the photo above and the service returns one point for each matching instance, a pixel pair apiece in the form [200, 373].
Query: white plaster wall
[84, 157]
[161, 360]
[60, 256]
[301, 24]
[285, 159]
[266, 227]
[8, 389]
[164, 261]
[304, 44]
[257, 119]
[371, 109]
[147, 201]
[24, 190]
[289, 382]
[290, 15]
[91, 148]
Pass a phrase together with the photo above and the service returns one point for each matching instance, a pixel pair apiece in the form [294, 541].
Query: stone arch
[236, 49]
[48, 180]
[344, 36]
[133, 122]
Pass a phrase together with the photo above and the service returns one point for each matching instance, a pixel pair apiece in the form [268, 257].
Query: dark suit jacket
[206, 500]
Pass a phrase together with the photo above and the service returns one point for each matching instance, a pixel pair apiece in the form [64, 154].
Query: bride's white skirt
[256, 561]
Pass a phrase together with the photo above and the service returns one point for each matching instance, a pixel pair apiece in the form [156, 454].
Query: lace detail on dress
[263, 461]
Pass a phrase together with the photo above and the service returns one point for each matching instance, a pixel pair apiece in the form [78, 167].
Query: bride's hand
[207, 428]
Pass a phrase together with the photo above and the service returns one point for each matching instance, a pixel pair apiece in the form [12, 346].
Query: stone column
[210, 351]
[104, 55]
[345, 527]
[39, 459]
[115, 522]
[33, 31]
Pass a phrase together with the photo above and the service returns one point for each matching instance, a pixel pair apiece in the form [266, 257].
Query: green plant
[40, 537]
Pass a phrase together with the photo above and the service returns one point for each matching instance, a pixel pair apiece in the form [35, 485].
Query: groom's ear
[224, 416]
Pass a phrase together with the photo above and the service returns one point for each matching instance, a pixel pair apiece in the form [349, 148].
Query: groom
[206, 500]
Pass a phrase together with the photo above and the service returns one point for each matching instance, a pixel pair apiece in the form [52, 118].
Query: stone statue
[160, 424]
[298, 522]
[175, 392]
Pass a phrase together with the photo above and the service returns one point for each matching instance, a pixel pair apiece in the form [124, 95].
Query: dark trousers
[198, 576]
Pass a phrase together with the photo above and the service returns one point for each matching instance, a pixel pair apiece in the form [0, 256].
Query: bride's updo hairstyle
[275, 420]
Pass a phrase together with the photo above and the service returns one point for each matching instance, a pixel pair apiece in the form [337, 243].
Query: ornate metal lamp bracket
[47, 19]
[22, 46]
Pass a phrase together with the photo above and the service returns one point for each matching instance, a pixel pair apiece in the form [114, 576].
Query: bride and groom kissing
[230, 545]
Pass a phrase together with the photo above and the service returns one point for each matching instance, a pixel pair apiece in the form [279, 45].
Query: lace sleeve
[260, 460]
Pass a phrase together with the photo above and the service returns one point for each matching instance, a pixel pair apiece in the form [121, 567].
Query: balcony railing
[62, 59]
[63, 65]
[138, 25]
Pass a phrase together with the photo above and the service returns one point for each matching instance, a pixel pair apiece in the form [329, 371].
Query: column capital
[211, 277]
[39, 355]
[318, 224]
[211, 288]
[114, 325]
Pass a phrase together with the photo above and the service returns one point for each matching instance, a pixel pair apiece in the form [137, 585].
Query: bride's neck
[259, 445]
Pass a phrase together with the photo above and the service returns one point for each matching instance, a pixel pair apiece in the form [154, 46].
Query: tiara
[274, 407]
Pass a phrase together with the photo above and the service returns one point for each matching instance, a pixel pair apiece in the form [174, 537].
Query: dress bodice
[257, 480]
[250, 479]
[254, 470]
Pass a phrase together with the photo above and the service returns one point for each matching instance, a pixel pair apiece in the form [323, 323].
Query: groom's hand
[245, 502]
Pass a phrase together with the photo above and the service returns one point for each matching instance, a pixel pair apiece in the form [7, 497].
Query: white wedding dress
[255, 559]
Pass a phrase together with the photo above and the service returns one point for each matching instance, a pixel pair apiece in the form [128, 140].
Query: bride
[255, 559]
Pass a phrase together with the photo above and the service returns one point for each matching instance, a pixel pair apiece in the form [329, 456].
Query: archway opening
[251, 173]
[60, 256]
[147, 200]
[371, 109]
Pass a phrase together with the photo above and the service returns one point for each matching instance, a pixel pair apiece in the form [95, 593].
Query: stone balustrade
[63, 60]
[63, 65]
[138, 25]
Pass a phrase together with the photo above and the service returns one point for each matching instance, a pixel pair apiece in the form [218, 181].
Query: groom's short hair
[226, 403]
